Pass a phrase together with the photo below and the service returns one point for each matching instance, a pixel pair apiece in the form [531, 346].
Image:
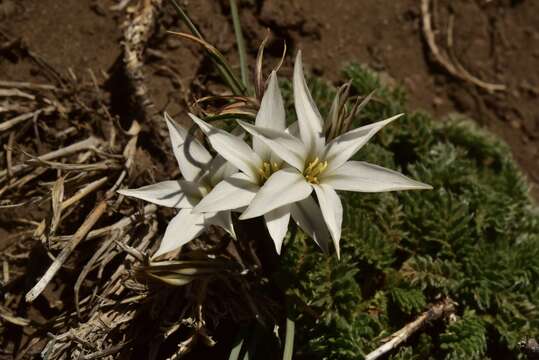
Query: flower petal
[361, 176]
[170, 193]
[277, 224]
[284, 187]
[231, 148]
[271, 115]
[307, 215]
[183, 227]
[232, 193]
[331, 207]
[343, 147]
[309, 118]
[192, 156]
[287, 147]
[223, 219]
[220, 169]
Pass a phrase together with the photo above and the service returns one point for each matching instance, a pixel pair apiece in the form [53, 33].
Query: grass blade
[240, 41]
[217, 58]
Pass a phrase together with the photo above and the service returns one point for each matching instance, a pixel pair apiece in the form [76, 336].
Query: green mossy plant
[474, 238]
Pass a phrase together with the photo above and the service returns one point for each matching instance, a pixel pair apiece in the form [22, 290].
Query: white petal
[287, 147]
[309, 119]
[308, 216]
[232, 193]
[183, 227]
[364, 177]
[170, 193]
[191, 155]
[284, 187]
[293, 129]
[277, 224]
[331, 207]
[343, 147]
[223, 219]
[231, 148]
[220, 169]
[271, 115]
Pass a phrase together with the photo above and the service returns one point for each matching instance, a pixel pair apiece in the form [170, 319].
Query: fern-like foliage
[474, 238]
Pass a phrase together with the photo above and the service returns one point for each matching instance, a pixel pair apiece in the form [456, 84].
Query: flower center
[266, 170]
[314, 169]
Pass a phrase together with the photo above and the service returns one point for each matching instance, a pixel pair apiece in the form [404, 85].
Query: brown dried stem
[455, 70]
[138, 31]
[436, 311]
[90, 221]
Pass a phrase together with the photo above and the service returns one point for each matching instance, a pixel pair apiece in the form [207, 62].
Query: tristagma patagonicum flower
[200, 173]
[259, 164]
[311, 163]
[276, 176]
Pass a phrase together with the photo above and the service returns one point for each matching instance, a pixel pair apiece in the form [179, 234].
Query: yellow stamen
[266, 170]
[314, 169]
[312, 164]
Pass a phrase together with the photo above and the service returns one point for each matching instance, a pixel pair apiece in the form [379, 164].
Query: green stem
[222, 67]
[240, 42]
[187, 20]
[289, 340]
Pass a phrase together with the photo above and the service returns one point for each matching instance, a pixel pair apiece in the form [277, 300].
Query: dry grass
[77, 281]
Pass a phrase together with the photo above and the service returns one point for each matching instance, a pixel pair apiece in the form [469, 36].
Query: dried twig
[88, 189]
[27, 85]
[66, 151]
[123, 223]
[68, 249]
[436, 311]
[6, 125]
[456, 70]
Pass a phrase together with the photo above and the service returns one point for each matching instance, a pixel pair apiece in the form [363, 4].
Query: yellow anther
[266, 170]
[312, 164]
[314, 169]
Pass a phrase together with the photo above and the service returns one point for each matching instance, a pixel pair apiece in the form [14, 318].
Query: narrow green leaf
[186, 19]
[240, 41]
[217, 58]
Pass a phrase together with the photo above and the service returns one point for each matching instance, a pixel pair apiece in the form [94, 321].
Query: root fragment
[453, 68]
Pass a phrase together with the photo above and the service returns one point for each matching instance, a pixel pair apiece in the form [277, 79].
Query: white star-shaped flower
[320, 166]
[200, 173]
[258, 165]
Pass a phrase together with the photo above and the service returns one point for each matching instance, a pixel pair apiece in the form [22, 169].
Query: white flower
[324, 167]
[200, 173]
[260, 166]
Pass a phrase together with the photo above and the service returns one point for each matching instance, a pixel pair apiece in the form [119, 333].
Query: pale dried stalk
[124, 222]
[102, 165]
[67, 250]
[57, 199]
[26, 85]
[459, 71]
[86, 144]
[88, 267]
[16, 93]
[6, 125]
[438, 310]
[88, 189]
